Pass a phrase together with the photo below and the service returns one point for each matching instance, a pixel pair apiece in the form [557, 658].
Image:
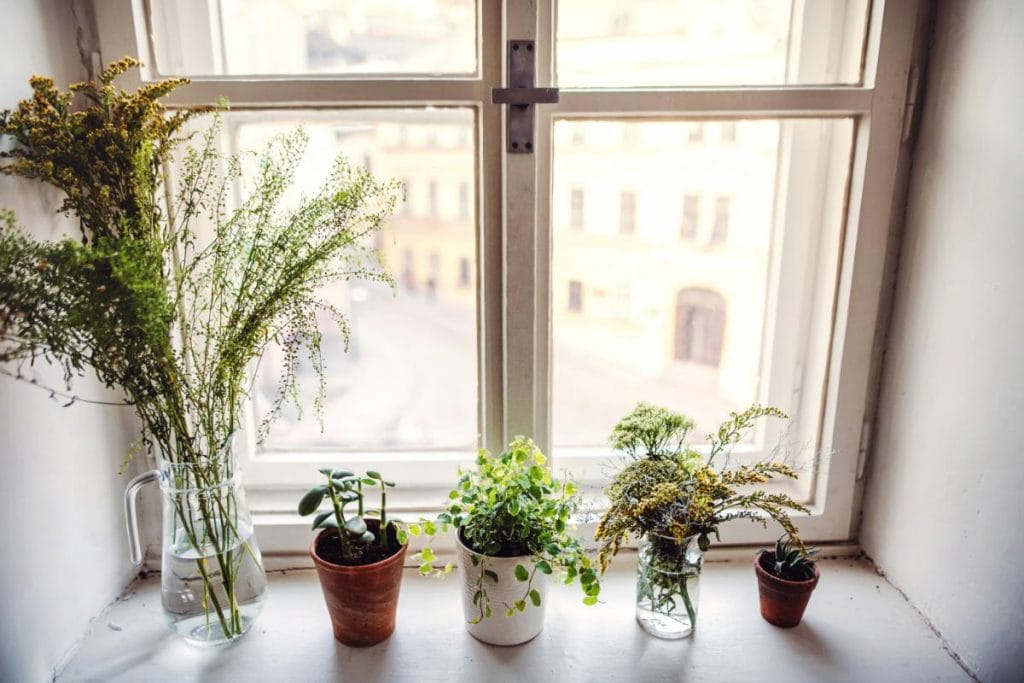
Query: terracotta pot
[362, 599]
[782, 602]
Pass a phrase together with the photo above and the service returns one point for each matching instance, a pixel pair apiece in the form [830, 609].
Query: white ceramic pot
[500, 629]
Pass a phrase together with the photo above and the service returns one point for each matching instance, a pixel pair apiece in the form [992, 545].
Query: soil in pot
[782, 602]
[362, 599]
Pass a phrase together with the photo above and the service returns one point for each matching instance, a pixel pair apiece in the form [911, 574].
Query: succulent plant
[792, 561]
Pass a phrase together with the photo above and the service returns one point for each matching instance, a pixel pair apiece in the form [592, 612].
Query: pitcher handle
[131, 514]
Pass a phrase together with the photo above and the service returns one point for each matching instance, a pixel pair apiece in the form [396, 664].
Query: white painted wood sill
[857, 628]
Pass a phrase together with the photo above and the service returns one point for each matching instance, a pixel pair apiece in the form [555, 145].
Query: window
[575, 296]
[432, 198]
[700, 326]
[691, 217]
[463, 200]
[576, 209]
[627, 213]
[720, 228]
[809, 97]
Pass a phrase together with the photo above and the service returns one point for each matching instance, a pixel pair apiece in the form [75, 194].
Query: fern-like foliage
[170, 296]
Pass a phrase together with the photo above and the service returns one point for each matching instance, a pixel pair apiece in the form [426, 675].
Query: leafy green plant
[343, 487]
[170, 296]
[511, 506]
[791, 561]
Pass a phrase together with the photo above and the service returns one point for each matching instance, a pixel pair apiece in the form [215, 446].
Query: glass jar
[668, 585]
[212, 580]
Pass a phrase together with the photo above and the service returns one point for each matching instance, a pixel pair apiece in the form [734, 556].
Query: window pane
[253, 37]
[651, 43]
[409, 378]
[709, 317]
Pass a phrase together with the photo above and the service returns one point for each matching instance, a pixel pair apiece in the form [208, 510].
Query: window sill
[857, 627]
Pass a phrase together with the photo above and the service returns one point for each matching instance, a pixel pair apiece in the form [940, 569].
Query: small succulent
[344, 487]
[793, 562]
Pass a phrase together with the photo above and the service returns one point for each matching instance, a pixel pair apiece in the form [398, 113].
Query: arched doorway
[700, 326]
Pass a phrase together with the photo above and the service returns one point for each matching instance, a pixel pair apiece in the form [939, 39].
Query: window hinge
[865, 443]
[910, 108]
[521, 96]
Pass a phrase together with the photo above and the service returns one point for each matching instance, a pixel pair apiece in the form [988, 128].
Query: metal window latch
[520, 95]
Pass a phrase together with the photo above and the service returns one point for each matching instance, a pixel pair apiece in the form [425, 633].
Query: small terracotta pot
[782, 602]
[362, 599]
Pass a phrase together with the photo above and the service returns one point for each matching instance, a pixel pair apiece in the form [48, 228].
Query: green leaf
[348, 496]
[374, 474]
[369, 482]
[367, 538]
[403, 537]
[389, 483]
[703, 542]
[521, 573]
[428, 554]
[429, 528]
[355, 526]
[535, 597]
[543, 567]
[321, 517]
[491, 574]
[311, 501]
[415, 530]
[521, 605]
[340, 474]
[590, 600]
[588, 576]
[476, 597]
[592, 589]
[453, 495]
[329, 523]
[326, 471]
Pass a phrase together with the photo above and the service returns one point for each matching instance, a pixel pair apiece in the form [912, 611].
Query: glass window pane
[408, 380]
[708, 317]
[652, 43]
[353, 37]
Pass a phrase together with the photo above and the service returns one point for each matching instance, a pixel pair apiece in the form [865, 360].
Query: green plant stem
[339, 517]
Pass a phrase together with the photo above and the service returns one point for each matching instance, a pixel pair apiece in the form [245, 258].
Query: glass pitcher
[212, 580]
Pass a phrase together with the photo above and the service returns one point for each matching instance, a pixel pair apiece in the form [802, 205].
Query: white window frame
[514, 244]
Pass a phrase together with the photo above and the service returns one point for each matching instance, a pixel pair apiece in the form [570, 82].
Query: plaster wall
[944, 502]
[63, 554]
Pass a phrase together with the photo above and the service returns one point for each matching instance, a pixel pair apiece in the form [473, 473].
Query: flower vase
[668, 586]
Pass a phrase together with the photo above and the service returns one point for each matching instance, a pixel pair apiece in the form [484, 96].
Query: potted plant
[514, 529]
[786, 577]
[673, 498]
[359, 558]
[170, 296]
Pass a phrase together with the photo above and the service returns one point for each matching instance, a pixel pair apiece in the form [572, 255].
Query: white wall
[63, 554]
[945, 503]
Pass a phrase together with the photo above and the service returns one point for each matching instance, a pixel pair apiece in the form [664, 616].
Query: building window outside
[575, 295]
[700, 326]
[408, 269]
[691, 217]
[463, 201]
[463, 272]
[627, 213]
[435, 271]
[696, 133]
[432, 198]
[720, 228]
[576, 209]
[728, 131]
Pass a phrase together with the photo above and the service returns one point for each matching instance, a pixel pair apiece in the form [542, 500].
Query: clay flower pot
[362, 599]
[782, 602]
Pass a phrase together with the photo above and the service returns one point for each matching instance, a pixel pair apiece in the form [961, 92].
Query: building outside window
[576, 209]
[627, 213]
[720, 228]
[575, 296]
[691, 217]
